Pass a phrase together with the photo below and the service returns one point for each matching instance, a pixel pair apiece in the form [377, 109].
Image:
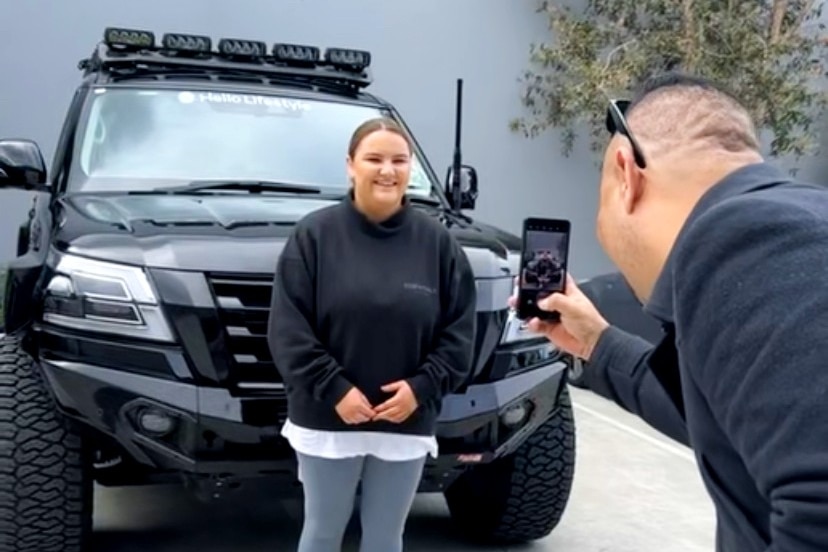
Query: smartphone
[543, 265]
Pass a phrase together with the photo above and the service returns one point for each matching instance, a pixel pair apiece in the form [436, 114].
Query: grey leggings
[330, 486]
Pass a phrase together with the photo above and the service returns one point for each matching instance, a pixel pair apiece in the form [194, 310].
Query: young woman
[371, 325]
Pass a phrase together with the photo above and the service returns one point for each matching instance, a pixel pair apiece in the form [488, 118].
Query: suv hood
[238, 233]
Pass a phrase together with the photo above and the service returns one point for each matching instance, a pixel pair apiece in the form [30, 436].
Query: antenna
[457, 161]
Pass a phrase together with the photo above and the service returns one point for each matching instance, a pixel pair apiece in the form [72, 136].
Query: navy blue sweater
[742, 374]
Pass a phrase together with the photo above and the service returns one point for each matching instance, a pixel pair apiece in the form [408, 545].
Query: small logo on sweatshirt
[420, 288]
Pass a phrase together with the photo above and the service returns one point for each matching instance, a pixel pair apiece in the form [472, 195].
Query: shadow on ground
[168, 519]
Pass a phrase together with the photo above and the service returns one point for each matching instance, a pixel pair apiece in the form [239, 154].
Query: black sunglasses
[616, 122]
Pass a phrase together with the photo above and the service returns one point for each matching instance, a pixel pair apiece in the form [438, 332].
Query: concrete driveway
[634, 491]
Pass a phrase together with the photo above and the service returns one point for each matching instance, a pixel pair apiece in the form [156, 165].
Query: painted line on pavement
[672, 449]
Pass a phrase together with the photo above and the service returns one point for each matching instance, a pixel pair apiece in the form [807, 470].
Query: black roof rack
[115, 62]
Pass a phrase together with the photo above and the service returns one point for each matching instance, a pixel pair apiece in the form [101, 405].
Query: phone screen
[544, 259]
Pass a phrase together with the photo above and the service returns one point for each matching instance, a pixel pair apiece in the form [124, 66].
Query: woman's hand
[398, 408]
[354, 408]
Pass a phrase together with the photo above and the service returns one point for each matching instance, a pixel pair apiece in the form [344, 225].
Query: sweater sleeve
[621, 370]
[449, 363]
[297, 351]
[753, 309]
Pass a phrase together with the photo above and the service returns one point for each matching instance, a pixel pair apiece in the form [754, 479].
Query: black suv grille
[243, 303]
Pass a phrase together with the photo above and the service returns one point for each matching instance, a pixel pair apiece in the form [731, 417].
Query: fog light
[156, 422]
[515, 414]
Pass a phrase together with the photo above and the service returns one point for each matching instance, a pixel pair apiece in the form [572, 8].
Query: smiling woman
[370, 329]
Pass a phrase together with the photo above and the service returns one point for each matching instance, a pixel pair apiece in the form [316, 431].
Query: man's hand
[580, 323]
[354, 408]
[398, 408]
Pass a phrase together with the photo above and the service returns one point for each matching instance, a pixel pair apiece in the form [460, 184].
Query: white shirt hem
[347, 444]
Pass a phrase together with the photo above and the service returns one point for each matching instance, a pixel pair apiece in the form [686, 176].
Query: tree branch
[615, 51]
[689, 32]
[780, 7]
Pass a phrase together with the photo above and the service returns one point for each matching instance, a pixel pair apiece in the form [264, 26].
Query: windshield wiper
[255, 186]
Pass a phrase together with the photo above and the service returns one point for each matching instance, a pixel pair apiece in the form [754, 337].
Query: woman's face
[380, 169]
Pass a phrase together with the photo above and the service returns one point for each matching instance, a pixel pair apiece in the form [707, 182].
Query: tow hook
[209, 488]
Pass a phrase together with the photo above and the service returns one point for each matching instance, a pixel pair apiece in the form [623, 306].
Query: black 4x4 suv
[135, 347]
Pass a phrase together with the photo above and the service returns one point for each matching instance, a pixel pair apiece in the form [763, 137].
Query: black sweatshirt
[742, 373]
[361, 304]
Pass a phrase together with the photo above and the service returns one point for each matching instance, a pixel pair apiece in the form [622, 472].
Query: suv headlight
[516, 330]
[105, 297]
[513, 260]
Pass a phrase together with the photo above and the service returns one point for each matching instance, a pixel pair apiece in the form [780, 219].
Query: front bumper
[208, 432]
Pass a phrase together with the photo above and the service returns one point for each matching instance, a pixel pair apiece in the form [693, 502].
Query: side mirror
[462, 195]
[22, 166]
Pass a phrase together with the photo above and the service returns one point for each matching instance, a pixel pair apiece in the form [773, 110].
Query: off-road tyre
[520, 497]
[45, 480]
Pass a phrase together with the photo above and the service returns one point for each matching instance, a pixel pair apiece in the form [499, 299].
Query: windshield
[145, 139]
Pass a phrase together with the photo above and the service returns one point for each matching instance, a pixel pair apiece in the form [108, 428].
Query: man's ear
[630, 179]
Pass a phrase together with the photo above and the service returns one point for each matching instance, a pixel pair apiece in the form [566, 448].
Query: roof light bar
[297, 53]
[129, 38]
[242, 48]
[344, 58]
[126, 52]
[187, 43]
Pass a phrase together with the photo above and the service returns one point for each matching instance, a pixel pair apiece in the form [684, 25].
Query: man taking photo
[731, 256]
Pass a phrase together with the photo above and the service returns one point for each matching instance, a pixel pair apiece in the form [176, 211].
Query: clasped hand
[354, 407]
